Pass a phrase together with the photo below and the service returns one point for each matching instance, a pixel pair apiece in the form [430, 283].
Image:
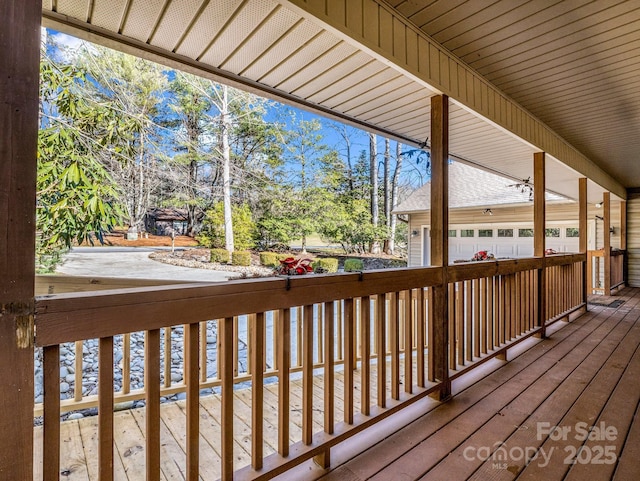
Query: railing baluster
[105, 409]
[339, 344]
[329, 359]
[460, 321]
[257, 386]
[167, 357]
[365, 354]
[283, 353]
[476, 317]
[324, 459]
[191, 379]
[349, 360]
[51, 422]
[490, 313]
[203, 351]
[298, 336]
[307, 375]
[79, 358]
[486, 315]
[468, 287]
[319, 331]
[275, 333]
[394, 340]
[126, 363]
[236, 346]
[226, 333]
[381, 348]
[152, 390]
[408, 344]
[452, 326]
[420, 336]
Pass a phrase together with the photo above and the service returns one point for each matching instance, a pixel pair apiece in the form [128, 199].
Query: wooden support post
[19, 70]
[623, 240]
[606, 208]
[582, 232]
[539, 225]
[439, 318]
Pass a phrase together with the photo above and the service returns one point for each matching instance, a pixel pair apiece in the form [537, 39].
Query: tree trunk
[226, 170]
[373, 160]
[387, 192]
[394, 199]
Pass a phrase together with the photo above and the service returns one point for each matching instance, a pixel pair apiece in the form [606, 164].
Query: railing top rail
[76, 316]
[71, 317]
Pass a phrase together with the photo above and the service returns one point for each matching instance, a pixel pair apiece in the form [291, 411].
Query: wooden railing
[325, 323]
[597, 283]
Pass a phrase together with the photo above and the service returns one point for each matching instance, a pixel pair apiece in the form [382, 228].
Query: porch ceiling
[268, 47]
[574, 65]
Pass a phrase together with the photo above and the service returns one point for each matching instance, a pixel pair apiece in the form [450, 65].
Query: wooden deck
[586, 372]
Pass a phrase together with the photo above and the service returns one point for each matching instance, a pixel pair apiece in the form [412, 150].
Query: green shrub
[213, 234]
[328, 264]
[241, 258]
[272, 259]
[353, 265]
[220, 256]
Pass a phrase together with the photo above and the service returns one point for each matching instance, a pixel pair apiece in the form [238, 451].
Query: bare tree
[394, 199]
[375, 212]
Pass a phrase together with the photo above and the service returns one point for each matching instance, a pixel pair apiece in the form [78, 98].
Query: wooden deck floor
[587, 372]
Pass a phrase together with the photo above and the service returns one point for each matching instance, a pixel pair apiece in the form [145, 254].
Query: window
[573, 232]
[485, 232]
[466, 233]
[505, 232]
[452, 232]
[525, 232]
[552, 232]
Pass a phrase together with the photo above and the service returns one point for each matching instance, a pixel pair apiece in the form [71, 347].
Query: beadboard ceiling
[572, 64]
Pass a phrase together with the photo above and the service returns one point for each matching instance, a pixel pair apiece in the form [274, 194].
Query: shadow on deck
[499, 425]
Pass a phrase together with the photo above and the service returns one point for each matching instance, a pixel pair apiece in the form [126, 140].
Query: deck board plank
[385, 453]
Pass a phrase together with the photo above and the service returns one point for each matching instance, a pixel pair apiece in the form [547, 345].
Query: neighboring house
[493, 213]
[165, 221]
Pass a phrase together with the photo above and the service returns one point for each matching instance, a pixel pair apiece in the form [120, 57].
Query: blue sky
[413, 173]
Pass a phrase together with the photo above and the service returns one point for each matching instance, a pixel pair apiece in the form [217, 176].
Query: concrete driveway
[131, 263]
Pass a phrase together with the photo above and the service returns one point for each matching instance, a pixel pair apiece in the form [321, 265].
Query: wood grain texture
[226, 412]
[152, 415]
[105, 409]
[51, 421]
[283, 355]
[192, 380]
[19, 70]
[257, 398]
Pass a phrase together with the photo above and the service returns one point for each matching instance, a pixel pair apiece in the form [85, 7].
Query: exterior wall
[633, 239]
[558, 215]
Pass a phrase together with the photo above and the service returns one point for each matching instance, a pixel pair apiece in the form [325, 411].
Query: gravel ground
[199, 259]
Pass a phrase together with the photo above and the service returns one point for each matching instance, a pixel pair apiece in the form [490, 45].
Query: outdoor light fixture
[487, 211]
[414, 233]
[599, 205]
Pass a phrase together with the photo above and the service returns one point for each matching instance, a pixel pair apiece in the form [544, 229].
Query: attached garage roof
[471, 187]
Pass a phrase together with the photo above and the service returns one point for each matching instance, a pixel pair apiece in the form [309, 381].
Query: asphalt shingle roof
[471, 187]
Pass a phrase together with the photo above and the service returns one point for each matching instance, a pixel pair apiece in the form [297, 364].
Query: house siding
[519, 216]
[633, 239]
